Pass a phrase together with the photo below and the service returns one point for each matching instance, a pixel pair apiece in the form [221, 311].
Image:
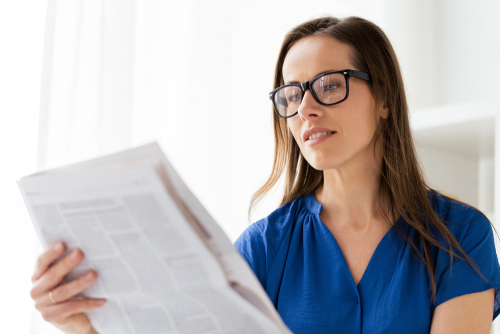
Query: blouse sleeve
[477, 241]
[252, 246]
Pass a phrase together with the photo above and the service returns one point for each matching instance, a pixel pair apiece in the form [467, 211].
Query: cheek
[359, 123]
[294, 128]
[357, 134]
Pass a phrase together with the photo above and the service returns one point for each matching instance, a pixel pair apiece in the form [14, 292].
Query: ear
[384, 111]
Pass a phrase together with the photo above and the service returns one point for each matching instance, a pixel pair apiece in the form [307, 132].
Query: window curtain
[192, 75]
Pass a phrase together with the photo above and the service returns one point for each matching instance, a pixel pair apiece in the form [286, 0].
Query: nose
[309, 108]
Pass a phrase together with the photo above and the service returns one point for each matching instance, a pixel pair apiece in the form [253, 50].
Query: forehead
[312, 55]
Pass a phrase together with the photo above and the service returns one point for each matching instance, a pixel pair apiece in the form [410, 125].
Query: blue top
[300, 265]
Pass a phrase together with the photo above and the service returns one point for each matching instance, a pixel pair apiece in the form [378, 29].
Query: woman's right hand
[65, 314]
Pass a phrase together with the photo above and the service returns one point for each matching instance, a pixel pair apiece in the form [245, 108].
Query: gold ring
[52, 298]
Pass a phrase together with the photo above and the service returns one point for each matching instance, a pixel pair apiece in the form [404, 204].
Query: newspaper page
[155, 271]
[237, 270]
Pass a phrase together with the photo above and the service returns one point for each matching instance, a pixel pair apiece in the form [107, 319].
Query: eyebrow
[295, 82]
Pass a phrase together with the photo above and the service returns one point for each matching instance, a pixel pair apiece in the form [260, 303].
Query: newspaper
[164, 265]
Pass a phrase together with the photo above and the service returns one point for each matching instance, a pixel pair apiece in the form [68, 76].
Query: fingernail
[89, 276]
[74, 255]
[100, 301]
[58, 247]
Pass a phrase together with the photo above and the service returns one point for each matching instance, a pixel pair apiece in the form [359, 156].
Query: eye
[294, 97]
[329, 87]
[329, 84]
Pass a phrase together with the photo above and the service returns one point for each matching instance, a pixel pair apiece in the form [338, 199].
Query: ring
[52, 298]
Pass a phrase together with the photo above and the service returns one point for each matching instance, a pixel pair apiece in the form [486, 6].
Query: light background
[119, 73]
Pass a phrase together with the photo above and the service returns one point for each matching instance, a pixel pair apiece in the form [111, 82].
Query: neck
[350, 195]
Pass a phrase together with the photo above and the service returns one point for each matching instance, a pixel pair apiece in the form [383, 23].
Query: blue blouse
[300, 265]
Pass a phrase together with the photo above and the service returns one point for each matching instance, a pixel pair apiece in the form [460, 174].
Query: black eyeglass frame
[308, 84]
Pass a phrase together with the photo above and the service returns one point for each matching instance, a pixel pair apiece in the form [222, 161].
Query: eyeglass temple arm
[360, 75]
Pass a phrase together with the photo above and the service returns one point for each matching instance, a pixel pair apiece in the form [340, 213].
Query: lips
[318, 140]
[312, 131]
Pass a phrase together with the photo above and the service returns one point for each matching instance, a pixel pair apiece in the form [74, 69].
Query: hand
[65, 314]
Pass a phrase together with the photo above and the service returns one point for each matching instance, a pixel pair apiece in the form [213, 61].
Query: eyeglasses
[327, 89]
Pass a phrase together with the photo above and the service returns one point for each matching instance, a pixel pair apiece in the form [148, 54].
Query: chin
[325, 159]
[321, 164]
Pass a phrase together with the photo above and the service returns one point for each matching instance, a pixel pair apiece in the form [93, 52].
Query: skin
[351, 169]
[67, 315]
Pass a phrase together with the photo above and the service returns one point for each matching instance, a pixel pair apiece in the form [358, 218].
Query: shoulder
[474, 233]
[462, 220]
[260, 241]
[451, 208]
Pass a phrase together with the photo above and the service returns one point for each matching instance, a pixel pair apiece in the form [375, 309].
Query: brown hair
[402, 182]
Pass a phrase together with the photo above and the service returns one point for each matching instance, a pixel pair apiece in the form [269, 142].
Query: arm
[466, 314]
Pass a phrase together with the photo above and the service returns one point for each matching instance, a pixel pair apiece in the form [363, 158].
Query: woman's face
[353, 120]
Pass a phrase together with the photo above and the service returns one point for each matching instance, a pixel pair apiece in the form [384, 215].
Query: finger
[46, 258]
[53, 276]
[67, 291]
[57, 313]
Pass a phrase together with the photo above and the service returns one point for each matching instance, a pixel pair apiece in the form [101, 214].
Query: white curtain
[21, 43]
[192, 75]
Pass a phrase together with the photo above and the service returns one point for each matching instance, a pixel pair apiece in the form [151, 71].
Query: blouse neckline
[315, 208]
[312, 204]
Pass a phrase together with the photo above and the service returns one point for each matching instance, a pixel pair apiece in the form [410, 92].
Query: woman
[357, 244]
[360, 244]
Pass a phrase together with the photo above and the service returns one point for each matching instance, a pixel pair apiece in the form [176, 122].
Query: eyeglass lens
[330, 88]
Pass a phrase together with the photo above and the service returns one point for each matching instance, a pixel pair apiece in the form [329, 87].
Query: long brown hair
[402, 182]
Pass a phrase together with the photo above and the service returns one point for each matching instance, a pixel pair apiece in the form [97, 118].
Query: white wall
[458, 180]
[469, 45]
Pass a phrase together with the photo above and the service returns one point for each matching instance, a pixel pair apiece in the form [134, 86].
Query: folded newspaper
[164, 265]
